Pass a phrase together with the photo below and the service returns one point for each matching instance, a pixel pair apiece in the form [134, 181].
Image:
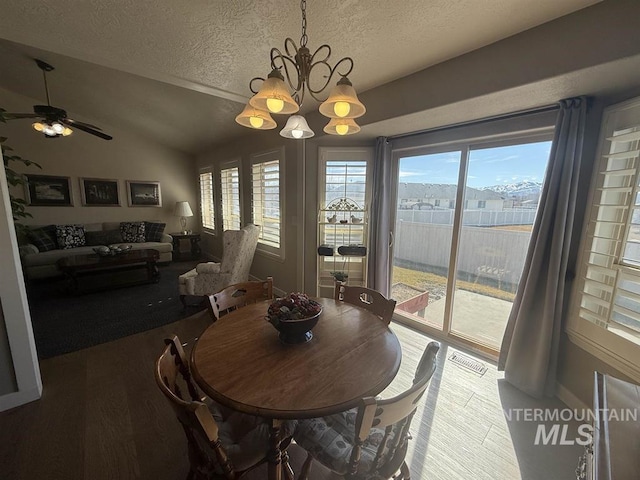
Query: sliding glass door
[463, 222]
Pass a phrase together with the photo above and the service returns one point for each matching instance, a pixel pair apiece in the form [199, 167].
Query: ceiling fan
[54, 122]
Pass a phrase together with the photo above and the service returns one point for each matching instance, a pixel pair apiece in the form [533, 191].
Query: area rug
[64, 323]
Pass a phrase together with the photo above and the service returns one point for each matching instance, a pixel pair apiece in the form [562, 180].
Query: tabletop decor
[112, 250]
[294, 316]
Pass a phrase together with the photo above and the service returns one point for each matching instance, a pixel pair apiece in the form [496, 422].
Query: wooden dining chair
[369, 441]
[219, 446]
[366, 298]
[239, 295]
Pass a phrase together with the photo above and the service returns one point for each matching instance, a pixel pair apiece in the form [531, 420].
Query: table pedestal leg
[274, 456]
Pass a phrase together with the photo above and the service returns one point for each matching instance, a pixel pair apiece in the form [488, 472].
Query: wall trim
[16, 399]
[607, 356]
[569, 399]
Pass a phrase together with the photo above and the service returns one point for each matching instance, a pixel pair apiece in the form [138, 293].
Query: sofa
[45, 245]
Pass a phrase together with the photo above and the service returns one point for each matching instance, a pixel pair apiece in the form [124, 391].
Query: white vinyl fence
[484, 252]
[479, 218]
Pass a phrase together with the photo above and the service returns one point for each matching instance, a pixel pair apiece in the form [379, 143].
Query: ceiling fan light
[343, 93]
[66, 132]
[297, 127]
[274, 95]
[57, 127]
[49, 131]
[38, 126]
[255, 118]
[341, 126]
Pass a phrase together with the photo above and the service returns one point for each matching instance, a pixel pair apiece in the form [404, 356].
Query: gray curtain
[529, 352]
[380, 219]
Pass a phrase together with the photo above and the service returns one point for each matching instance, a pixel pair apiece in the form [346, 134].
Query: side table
[194, 239]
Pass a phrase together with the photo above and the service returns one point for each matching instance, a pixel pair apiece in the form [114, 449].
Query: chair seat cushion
[245, 437]
[330, 441]
[209, 267]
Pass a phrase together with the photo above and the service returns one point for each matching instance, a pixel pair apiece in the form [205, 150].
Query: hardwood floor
[102, 417]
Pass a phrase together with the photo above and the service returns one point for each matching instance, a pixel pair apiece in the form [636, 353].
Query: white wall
[126, 157]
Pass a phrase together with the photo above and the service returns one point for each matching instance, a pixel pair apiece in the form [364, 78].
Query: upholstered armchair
[237, 256]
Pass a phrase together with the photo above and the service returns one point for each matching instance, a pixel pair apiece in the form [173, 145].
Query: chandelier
[299, 67]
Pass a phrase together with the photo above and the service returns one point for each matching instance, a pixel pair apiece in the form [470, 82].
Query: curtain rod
[546, 108]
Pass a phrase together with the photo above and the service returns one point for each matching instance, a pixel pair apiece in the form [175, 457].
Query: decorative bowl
[294, 316]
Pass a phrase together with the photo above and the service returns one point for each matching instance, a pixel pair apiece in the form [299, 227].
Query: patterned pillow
[70, 236]
[43, 238]
[132, 232]
[103, 237]
[153, 231]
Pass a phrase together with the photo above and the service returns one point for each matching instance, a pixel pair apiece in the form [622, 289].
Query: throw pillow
[153, 231]
[103, 237]
[70, 236]
[43, 238]
[132, 232]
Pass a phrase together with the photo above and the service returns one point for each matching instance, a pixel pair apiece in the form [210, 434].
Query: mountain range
[518, 189]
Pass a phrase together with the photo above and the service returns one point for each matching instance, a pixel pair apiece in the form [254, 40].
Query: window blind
[206, 200]
[266, 201]
[230, 182]
[611, 291]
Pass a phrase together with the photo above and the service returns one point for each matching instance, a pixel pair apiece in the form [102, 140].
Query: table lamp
[183, 210]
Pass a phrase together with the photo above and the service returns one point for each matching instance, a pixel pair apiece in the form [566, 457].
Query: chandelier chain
[303, 38]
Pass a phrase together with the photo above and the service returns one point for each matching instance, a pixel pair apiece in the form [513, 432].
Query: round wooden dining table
[240, 362]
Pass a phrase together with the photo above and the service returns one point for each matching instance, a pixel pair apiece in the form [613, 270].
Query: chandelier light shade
[52, 129]
[341, 126]
[274, 96]
[253, 117]
[297, 127]
[342, 102]
[183, 210]
[284, 89]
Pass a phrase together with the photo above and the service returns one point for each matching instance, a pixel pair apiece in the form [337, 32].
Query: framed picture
[144, 194]
[48, 191]
[99, 192]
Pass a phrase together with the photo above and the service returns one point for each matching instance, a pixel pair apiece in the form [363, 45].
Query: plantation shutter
[206, 200]
[611, 289]
[266, 201]
[230, 180]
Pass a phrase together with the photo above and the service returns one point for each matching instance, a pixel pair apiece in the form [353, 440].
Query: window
[267, 200]
[342, 220]
[230, 193]
[482, 204]
[437, 203]
[207, 209]
[611, 289]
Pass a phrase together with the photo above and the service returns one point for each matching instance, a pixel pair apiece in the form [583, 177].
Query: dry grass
[423, 280]
[515, 228]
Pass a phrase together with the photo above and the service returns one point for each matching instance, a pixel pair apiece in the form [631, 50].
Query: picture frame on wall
[144, 194]
[99, 192]
[48, 191]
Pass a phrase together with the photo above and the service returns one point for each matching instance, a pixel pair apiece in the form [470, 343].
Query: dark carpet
[64, 323]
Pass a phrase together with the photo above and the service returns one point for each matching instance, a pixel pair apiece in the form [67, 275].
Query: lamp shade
[341, 126]
[256, 118]
[297, 127]
[274, 96]
[342, 102]
[182, 209]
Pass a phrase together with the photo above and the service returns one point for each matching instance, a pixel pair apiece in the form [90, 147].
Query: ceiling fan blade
[85, 128]
[16, 116]
[88, 125]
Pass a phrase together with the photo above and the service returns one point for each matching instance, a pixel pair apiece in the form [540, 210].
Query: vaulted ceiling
[178, 72]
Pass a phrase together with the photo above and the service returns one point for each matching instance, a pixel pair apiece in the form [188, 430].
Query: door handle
[391, 238]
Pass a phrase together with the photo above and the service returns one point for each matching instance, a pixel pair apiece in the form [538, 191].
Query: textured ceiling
[178, 72]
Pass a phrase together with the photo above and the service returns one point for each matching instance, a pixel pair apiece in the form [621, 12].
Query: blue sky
[487, 167]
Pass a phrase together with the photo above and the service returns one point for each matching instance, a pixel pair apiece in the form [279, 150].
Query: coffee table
[76, 266]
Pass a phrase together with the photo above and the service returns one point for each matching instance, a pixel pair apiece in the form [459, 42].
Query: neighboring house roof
[426, 191]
